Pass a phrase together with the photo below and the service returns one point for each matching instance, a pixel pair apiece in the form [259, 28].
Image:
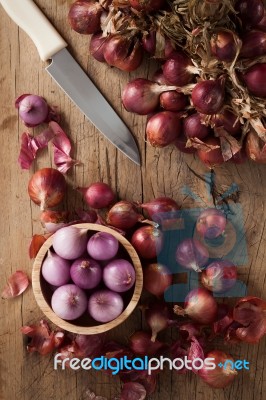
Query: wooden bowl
[86, 325]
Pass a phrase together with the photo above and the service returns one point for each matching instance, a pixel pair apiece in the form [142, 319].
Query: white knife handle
[29, 17]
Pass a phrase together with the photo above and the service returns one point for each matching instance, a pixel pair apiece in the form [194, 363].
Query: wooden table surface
[26, 376]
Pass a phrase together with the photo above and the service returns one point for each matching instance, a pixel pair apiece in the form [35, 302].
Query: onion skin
[219, 377]
[70, 242]
[255, 148]
[208, 96]
[228, 121]
[223, 46]
[163, 128]
[193, 127]
[156, 279]
[96, 47]
[84, 17]
[219, 276]
[147, 5]
[47, 187]
[123, 215]
[147, 241]
[255, 80]
[253, 44]
[213, 157]
[180, 144]
[211, 223]
[116, 52]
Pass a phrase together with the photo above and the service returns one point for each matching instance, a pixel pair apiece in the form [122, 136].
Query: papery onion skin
[147, 5]
[53, 220]
[47, 187]
[163, 128]
[160, 205]
[84, 17]
[211, 223]
[156, 279]
[56, 270]
[192, 254]
[124, 215]
[173, 101]
[70, 242]
[254, 78]
[96, 47]
[98, 195]
[69, 302]
[228, 120]
[102, 246]
[219, 377]
[86, 273]
[193, 127]
[255, 148]
[219, 276]
[180, 144]
[250, 12]
[147, 241]
[213, 157]
[105, 305]
[116, 52]
[119, 275]
[253, 44]
[200, 306]
[208, 96]
[223, 46]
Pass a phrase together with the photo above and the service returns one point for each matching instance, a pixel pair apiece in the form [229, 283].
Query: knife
[69, 76]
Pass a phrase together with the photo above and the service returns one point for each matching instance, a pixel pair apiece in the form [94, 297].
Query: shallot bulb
[98, 195]
[178, 69]
[219, 377]
[123, 52]
[250, 11]
[219, 276]
[227, 120]
[254, 78]
[253, 44]
[142, 96]
[173, 101]
[69, 302]
[105, 305]
[96, 47]
[163, 128]
[157, 278]
[124, 215]
[147, 241]
[193, 127]
[147, 5]
[70, 242]
[56, 270]
[85, 16]
[211, 223]
[223, 45]
[160, 205]
[191, 254]
[33, 109]
[212, 157]
[208, 96]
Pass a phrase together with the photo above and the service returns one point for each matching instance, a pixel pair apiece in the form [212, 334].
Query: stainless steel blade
[82, 91]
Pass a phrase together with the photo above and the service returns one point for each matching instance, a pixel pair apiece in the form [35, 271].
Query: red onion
[123, 52]
[133, 390]
[179, 70]
[199, 306]
[53, 220]
[102, 246]
[163, 128]
[87, 216]
[255, 147]
[156, 279]
[180, 144]
[70, 242]
[47, 187]
[213, 157]
[208, 96]
[219, 276]
[250, 11]
[160, 78]
[253, 44]
[262, 24]
[173, 101]
[223, 45]
[219, 377]
[254, 78]
[96, 46]
[149, 42]
[191, 254]
[228, 121]
[147, 241]
[98, 195]
[69, 302]
[85, 16]
[142, 96]
[193, 127]
[105, 305]
[211, 223]
[158, 318]
[56, 270]
[160, 205]
[140, 343]
[123, 215]
[147, 5]
[119, 275]
[32, 109]
[86, 273]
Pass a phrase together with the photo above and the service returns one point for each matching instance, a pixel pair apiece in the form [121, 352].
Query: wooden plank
[26, 376]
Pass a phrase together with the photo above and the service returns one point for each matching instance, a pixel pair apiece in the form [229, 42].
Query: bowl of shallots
[87, 278]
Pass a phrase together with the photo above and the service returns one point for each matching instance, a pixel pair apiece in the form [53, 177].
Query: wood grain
[26, 376]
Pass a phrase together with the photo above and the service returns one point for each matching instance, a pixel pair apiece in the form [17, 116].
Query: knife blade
[69, 75]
